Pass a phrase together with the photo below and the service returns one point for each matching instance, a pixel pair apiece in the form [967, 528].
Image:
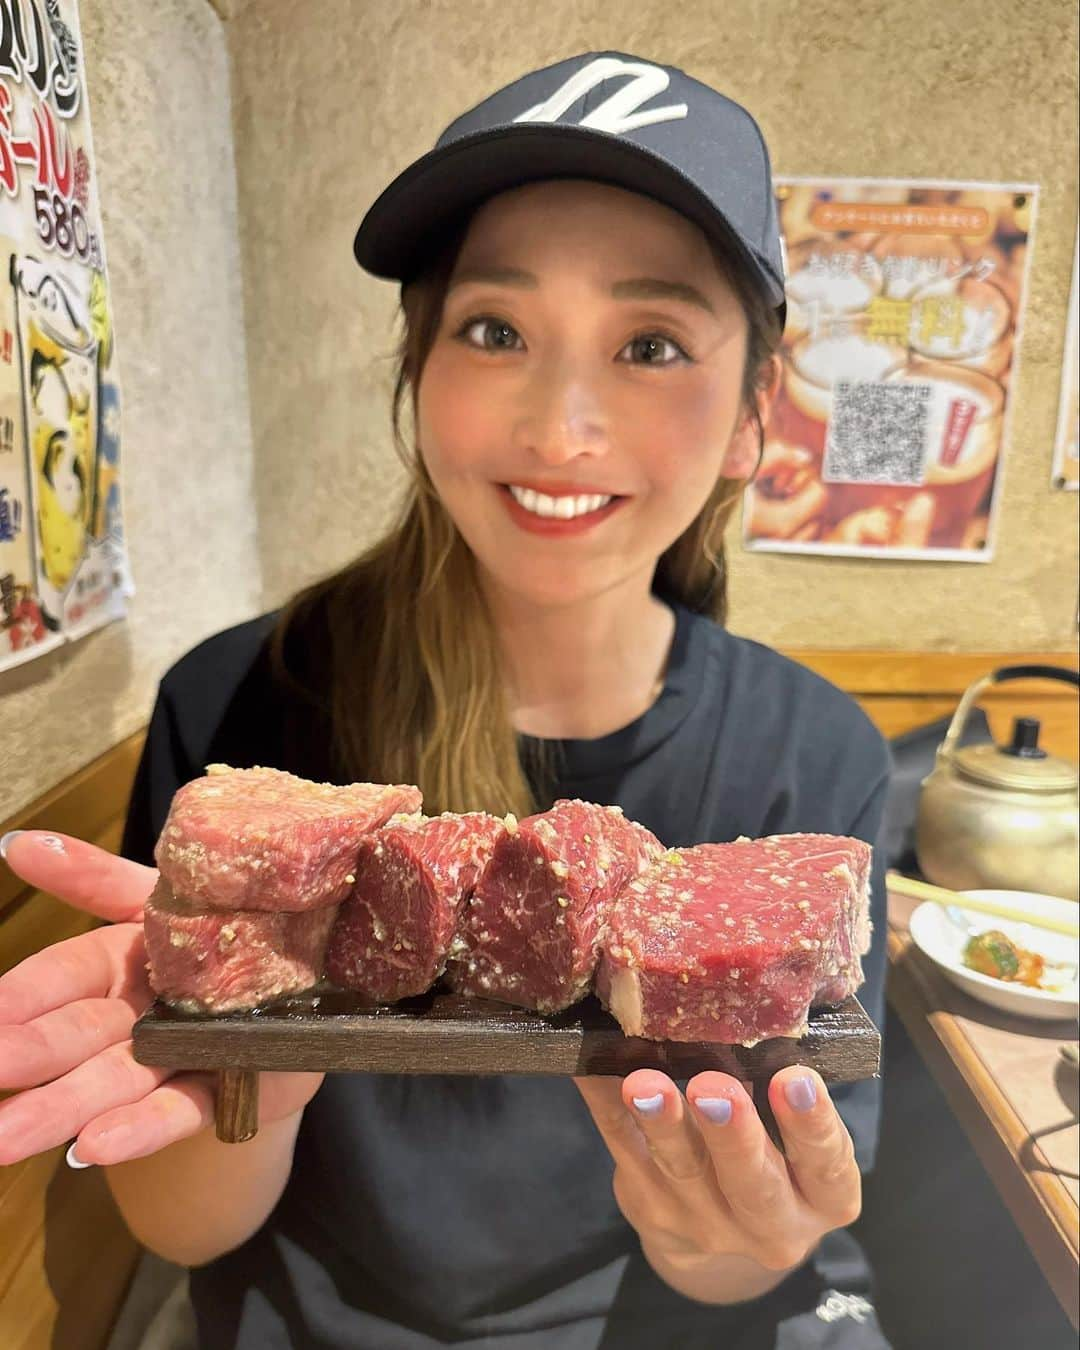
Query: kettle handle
[975, 692]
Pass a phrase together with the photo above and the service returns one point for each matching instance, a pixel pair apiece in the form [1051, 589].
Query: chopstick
[922, 890]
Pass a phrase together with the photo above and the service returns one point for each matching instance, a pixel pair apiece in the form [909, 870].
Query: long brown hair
[415, 689]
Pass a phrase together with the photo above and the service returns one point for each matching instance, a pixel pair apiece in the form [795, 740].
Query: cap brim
[395, 237]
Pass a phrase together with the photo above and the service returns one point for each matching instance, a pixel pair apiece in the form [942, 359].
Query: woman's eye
[495, 335]
[502, 334]
[649, 350]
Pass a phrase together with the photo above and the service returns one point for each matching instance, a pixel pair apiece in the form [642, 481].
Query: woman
[592, 296]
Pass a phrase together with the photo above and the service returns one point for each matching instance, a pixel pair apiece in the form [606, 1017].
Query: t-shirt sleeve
[216, 704]
[163, 767]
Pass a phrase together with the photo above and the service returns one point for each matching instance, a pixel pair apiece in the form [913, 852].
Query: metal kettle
[1001, 816]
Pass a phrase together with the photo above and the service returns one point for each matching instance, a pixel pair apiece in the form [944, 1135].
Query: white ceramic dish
[943, 941]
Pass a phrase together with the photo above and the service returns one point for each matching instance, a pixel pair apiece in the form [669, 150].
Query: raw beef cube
[736, 942]
[264, 839]
[223, 960]
[413, 877]
[532, 930]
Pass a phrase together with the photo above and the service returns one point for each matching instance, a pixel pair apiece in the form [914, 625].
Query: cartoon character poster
[899, 359]
[63, 562]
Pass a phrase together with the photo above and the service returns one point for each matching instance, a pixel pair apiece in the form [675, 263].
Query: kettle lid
[1023, 764]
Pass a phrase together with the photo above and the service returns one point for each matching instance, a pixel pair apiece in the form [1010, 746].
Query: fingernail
[801, 1093]
[5, 842]
[716, 1109]
[650, 1106]
[72, 1161]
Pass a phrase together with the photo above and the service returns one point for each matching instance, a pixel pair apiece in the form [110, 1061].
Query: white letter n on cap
[618, 112]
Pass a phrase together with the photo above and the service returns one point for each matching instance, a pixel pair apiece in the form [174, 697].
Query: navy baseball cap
[604, 116]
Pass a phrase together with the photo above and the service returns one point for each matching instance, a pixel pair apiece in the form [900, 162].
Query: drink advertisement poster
[1067, 441]
[63, 563]
[904, 307]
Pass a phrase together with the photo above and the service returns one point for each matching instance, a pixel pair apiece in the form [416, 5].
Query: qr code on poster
[877, 433]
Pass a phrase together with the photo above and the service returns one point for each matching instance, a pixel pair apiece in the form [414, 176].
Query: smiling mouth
[562, 507]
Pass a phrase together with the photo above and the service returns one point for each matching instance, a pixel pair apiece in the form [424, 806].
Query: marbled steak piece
[220, 961]
[532, 930]
[736, 942]
[414, 877]
[267, 840]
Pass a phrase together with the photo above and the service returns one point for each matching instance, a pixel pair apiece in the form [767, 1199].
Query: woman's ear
[744, 448]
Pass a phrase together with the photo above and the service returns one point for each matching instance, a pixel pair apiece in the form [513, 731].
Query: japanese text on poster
[63, 563]
[904, 305]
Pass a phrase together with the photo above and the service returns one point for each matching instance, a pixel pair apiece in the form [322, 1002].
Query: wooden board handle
[237, 1114]
[441, 1033]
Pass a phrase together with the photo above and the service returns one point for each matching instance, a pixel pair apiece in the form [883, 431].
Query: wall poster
[888, 434]
[63, 561]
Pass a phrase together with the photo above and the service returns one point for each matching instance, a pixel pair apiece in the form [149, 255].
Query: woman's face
[583, 391]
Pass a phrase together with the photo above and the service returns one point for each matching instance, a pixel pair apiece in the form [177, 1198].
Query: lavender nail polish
[715, 1109]
[801, 1093]
[650, 1106]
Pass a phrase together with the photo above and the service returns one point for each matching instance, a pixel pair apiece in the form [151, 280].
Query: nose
[564, 420]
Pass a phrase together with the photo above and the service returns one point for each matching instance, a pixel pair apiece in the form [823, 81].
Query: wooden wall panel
[902, 690]
[66, 1256]
[87, 805]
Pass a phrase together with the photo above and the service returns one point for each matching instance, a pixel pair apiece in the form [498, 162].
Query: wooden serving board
[439, 1033]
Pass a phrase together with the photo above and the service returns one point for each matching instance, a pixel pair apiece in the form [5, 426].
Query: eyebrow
[635, 288]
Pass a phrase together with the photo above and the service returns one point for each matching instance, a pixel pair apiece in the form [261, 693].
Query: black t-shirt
[478, 1211]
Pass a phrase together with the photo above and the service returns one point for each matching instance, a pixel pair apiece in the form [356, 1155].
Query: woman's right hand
[66, 1015]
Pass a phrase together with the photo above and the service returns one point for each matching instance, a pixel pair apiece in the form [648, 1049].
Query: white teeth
[560, 508]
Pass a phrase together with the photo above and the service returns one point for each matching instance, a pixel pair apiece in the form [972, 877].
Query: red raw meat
[267, 840]
[735, 942]
[532, 930]
[225, 960]
[393, 932]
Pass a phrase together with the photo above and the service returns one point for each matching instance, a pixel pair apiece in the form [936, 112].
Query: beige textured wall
[331, 101]
[158, 83]
[328, 103]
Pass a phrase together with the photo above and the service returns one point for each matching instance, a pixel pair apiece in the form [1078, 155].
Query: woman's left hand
[721, 1213]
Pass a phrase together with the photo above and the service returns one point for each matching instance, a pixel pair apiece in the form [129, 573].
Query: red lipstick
[555, 526]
